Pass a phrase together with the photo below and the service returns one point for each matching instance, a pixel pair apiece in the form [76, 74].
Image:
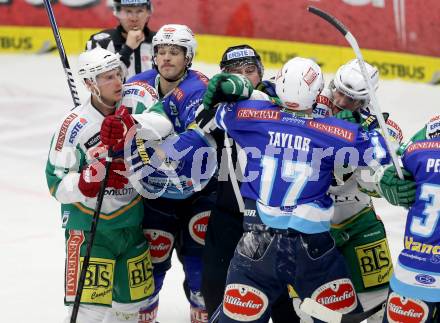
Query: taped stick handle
[62, 52]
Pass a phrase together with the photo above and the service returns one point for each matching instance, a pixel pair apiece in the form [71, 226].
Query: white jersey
[75, 144]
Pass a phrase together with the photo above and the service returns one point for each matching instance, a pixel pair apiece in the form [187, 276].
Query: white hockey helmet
[97, 61]
[298, 83]
[180, 35]
[350, 81]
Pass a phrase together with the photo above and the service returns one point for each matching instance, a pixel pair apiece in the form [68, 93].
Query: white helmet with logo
[350, 81]
[179, 35]
[97, 61]
[298, 83]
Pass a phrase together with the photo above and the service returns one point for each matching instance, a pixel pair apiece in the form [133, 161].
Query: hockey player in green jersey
[119, 275]
[356, 227]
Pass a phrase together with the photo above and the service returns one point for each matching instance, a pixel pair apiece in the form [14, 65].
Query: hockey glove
[93, 174]
[349, 116]
[397, 191]
[115, 127]
[205, 119]
[226, 87]
[371, 121]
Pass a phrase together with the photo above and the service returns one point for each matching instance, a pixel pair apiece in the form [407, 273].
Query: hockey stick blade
[375, 105]
[313, 308]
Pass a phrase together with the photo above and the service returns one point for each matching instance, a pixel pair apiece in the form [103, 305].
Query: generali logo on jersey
[76, 239]
[255, 114]
[337, 295]
[197, 226]
[332, 130]
[63, 131]
[423, 145]
[401, 309]
[161, 243]
[244, 303]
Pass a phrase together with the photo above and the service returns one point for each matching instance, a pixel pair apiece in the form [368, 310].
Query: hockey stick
[354, 45]
[216, 315]
[232, 174]
[61, 51]
[93, 227]
[100, 197]
[315, 309]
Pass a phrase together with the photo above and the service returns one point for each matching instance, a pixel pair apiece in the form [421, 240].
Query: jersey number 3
[425, 225]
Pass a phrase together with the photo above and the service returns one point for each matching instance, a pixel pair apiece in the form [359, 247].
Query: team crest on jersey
[337, 295]
[244, 303]
[402, 309]
[197, 226]
[161, 244]
[63, 131]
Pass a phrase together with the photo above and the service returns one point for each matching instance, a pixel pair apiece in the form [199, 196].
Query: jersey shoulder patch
[433, 127]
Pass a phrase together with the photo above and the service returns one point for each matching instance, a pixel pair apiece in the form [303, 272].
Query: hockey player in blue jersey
[289, 167]
[226, 220]
[175, 220]
[415, 285]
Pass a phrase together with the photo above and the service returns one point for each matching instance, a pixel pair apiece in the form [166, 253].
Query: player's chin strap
[228, 145]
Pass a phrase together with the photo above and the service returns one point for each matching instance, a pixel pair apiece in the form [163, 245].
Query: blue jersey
[189, 164]
[180, 104]
[290, 160]
[417, 273]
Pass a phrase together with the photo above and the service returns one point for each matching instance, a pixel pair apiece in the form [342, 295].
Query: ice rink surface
[33, 98]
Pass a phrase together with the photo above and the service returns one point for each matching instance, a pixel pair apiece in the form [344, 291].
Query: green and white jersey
[75, 144]
[347, 194]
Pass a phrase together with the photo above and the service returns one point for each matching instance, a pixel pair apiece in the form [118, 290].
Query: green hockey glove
[397, 191]
[349, 116]
[226, 87]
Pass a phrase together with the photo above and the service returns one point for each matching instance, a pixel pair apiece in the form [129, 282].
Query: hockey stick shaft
[354, 45]
[62, 52]
[215, 317]
[93, 227]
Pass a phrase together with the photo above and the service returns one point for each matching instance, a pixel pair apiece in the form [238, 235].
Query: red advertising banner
[390, 25]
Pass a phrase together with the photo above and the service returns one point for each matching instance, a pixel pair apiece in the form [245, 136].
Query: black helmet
[131, 3]
[240, 55]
